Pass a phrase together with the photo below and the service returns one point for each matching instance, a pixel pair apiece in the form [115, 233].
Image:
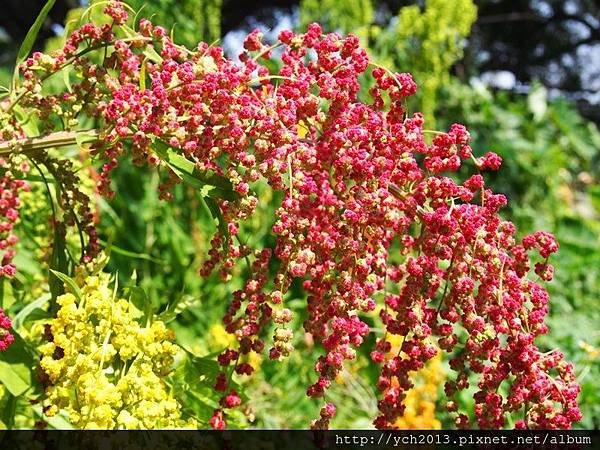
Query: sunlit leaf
[69, 282]
[30, 38]
[16, 365]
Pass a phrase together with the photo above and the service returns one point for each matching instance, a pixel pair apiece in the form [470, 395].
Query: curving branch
[57, 139]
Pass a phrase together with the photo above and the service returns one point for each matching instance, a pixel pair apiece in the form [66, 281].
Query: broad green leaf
[15, 367]
[30, 38]
[9, 411]
[193, 383]
[140, 300]
[70, 282]
[57, 422]
[27, 121]
[204, 366]
[85, 137]
[21, 317]
[204, 189]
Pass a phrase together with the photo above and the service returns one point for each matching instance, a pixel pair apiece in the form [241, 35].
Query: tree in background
[191, 20]
[427, 43]
[355, 16]
[554, 41]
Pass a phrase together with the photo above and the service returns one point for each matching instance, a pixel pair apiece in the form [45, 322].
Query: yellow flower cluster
[420, 400]
[104, 368]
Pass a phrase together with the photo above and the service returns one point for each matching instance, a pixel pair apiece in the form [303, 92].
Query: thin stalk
[56, 139]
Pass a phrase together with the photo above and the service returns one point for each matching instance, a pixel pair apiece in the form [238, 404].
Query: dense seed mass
[375, 216]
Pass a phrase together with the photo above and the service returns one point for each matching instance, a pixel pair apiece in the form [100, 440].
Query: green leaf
[149, 51]
[193, 384]
[207, 367]
[121, 251]
[38, 179]
[69, 28]
[30, 38]
[218, 216]
[67, 80]
[15, 367]
[138, 297]
[86, 136]
[140, 300]
[70, 282]
[182, 303]
[9, 411]
[594, 192]
[137, 15]
[20, 318]
[59, 261]
[3, 303]
[209, 185]
[27, 121]
[143, 75]
[57, 422]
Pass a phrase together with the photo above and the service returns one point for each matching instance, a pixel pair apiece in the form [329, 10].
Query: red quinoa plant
[375, 214]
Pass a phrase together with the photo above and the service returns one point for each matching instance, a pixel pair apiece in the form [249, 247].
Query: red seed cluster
[9, 215]
[6, 338]
[369, 218]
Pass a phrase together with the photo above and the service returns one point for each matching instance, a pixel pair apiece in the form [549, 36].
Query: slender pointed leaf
[177, 307]
[31, 36]
[20, 318]
[70, 282]
[218, 216]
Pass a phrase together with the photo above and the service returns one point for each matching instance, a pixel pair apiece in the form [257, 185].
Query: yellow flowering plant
[106, 364]
[420, 412]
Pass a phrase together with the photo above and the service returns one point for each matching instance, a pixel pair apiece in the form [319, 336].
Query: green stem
[56, 139]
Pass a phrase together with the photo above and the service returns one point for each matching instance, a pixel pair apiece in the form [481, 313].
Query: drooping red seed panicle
[370, 219]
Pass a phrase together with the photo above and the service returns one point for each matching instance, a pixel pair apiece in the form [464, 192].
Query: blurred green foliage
[427, 43]
[339, 15]
[190, 21]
